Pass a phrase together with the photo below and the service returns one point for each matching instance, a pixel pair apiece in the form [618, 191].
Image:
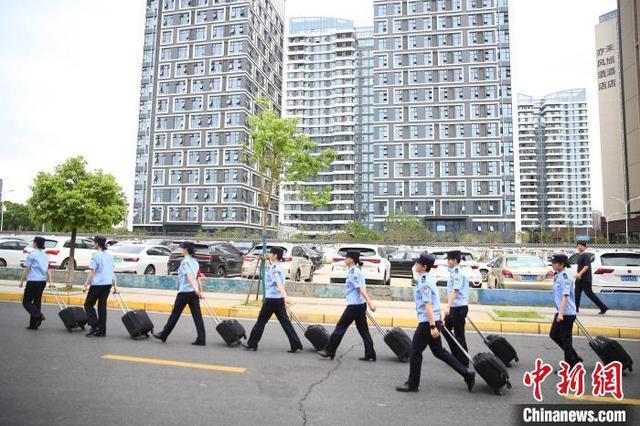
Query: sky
[70, 74]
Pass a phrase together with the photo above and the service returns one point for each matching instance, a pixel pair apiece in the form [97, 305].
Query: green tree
[360, 232]
[75, 198]
[403, 227]
[17, 218]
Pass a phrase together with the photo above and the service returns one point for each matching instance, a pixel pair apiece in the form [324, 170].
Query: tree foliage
[17, 218]
[403, 227]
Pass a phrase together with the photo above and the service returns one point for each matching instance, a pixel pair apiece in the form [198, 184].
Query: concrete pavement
[625, 324]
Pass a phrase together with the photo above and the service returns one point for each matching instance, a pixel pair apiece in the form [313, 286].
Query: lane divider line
[172, 363]
[605, 399]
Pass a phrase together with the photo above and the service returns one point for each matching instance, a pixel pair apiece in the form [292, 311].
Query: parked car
[243, 246]
[468, 265]
[296, 264]
[11, 251]
[376, 265]
[218, 260]
[315, 256]
[402, 262]
[484, 268]
[58, 249]
[520, 272]
[143, 259]
[614, 271]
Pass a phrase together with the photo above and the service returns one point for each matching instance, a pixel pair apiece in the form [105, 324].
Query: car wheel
[65, 263]
[310, 279]
[220, 272]
[3, 263]
[150, 270]
[297, 276]
[387, 281]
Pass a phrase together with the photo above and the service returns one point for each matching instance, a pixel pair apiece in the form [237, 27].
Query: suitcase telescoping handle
[123, 305]
[295, 319]
[211, 312]
[446, 330]
[584, 330]
[56, 295]
[376, 324]
[476, 328]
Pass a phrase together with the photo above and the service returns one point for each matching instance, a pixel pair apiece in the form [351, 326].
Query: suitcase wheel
[508, 385]
[498, 392]
[70, 330]
[82, 327]
[517, 359]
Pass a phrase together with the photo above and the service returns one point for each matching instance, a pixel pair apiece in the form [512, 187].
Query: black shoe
[92, 332]
[159, 337]
[293, 351]
[603, 310]
[198, 343]
[100, 334]
[249, 348]
[470, 380]
[326, 354]
[31, 328]
[368, 358]
[406, 388]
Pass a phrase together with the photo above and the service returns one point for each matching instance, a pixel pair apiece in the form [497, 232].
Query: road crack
[338, 363]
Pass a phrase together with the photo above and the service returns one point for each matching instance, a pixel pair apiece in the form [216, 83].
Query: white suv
[614, 271]
[296, 263]
[470, 268]
[11, 251]
[57, 248]
[375, 264]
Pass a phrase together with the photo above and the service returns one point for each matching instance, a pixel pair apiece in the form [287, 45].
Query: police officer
[583, 279]
[274, 303]
[36, 270]
[564, 298]
[189, 293]
[427, 334]
[101, 277]
[458, 301]
[356, 310]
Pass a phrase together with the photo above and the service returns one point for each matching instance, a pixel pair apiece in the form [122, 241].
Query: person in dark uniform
[274, 303]
[584, 277]
[458, 306]
[564, 299]
[356, 310]
[36, 270]
[101, 278]
[428, 332]
[189, 293]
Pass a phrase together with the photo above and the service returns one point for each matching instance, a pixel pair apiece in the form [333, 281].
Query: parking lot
[54, 377]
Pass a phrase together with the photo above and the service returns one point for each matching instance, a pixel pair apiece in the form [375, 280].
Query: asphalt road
[51, 377]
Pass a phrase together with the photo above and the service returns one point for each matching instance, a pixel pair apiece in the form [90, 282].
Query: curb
[405, 322]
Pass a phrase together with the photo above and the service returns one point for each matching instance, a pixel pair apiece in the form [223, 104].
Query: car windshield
[50, 243]
[127, 249]
[519, 262]
[440, 255]
[620, 259]
[258, 249]
[364, 252]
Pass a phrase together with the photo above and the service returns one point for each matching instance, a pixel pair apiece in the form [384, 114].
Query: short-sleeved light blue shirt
[563, 286]
[102, 263]
[188, 265]
[273, 274]
[426, 291]
[355, 281]
[460, 283]
[38, 263]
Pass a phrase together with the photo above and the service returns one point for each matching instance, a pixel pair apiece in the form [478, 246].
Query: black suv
[216, 260]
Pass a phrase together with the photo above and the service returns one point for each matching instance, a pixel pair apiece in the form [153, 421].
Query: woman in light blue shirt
[356, 310]
[36, 270]
[101, 278]
[274, 303]
[189, 293]
[564, 299]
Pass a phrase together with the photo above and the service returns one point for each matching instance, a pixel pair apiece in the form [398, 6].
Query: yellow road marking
[604, 399]
[172, 363]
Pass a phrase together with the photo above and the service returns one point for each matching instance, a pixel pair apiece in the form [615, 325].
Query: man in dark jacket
[583, 278]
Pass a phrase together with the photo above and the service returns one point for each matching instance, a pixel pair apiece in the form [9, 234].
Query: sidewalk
[625, 324]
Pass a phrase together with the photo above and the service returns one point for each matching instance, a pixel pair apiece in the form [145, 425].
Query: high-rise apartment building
[442, 125]
[328, 87]
[553, 153]
[204, 64]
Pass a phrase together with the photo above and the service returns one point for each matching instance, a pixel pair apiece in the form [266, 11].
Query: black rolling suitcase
[230, 330]
[71, 316]
[316, 334]
[396, 339]
[499, 346]
[488, 366]
[137, 322]
[608, 350]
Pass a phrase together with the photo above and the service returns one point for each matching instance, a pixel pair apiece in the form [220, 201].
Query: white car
[614, 271]
[11, 251]
[375, 264]
[470, 269]
[57, 248]
[296, 263]
[142, 259]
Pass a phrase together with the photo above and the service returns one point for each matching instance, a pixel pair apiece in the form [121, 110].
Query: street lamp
[2, 208]
[626, 213]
